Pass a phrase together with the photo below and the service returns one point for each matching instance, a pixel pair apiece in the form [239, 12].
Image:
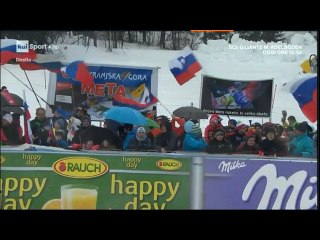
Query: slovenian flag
[184, 66]
[27, 117]
[304, 90]
[78, 70]
[8, 51]
[146, 100]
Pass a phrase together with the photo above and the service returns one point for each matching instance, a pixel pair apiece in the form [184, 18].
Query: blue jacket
[130, 135]
[302, 146]
[191, 143]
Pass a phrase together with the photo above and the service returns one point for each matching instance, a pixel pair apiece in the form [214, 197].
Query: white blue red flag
[78, 70]
[184, 66]
[48, 62]
[304, 90]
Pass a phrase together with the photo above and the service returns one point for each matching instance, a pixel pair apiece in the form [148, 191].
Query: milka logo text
[229, 166]
[282, 186]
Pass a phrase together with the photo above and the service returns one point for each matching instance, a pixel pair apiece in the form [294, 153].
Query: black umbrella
[190, 112]
[11, 102]
[98, 134]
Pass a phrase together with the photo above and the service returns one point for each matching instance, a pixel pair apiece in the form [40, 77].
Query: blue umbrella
[125, 115]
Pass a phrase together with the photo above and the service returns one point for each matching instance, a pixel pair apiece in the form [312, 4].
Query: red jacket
[214, 117]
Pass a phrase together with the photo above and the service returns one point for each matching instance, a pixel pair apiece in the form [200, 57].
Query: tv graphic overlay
[22, 46]
[236, 97]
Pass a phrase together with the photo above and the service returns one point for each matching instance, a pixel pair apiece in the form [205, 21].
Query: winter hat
[141, 129]
[196, 131]
[8, 117]
[138, 136]
[240, 126]
[218, 132]
[188, 126]
[250, 131]
[302, 127]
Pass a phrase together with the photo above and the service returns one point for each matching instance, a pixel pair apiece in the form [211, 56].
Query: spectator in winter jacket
[214, 123]
[60, 139]
[40, 127]
[292, 123]
[130, 133]
[167, 140]
[193, 141]
[231, 127]
[273, 145]
[80, 112]
[301, 145]
[238, 136]
[82, 133]
[249, 145]
[141, 142]
[10, 135]
[58, 117]
[257, 129]
[219, 144]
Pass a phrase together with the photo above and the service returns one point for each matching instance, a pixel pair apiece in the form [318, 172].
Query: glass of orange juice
[79, 196]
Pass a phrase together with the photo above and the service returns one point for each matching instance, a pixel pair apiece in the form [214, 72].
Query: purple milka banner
[260, 184]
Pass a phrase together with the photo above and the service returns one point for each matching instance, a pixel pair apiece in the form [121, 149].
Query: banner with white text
[236, 97]
[260, 184]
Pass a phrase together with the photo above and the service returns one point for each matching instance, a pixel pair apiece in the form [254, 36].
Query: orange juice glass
[79, 196]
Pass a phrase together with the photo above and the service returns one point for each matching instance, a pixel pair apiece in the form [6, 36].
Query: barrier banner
[38, 180]
[260, 184]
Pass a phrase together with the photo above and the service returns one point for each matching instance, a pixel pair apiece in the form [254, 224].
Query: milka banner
[260, 184]
[236, 97]
[108, 81]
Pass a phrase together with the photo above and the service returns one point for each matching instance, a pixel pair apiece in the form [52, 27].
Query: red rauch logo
[80, 167]
[169, 164]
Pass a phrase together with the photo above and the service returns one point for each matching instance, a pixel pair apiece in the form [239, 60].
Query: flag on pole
[51, 134]
[184, 66]
[78, 70]
[27, 117]
[146, 100]
[48, 62]
[304, 90]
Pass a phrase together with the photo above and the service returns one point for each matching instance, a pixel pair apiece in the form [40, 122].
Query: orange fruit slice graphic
[52, 204]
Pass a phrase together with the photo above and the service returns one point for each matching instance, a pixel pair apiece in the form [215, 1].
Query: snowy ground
[218, 58]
